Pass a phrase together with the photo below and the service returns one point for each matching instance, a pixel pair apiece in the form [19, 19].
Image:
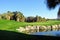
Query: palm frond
[52, 3]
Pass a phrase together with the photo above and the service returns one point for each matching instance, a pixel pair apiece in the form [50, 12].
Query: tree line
[18, 16]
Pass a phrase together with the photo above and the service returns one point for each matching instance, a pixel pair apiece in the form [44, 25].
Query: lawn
[12, 25]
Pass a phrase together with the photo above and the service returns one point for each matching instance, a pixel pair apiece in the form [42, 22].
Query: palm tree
[18, 16]
[53, 4]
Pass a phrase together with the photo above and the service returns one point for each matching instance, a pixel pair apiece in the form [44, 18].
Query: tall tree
[30, 19]
[58, 14]
[18, 16]
[38, 18]
[53, 4]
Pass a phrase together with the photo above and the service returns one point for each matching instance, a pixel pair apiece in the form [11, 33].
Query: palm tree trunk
[58, 14]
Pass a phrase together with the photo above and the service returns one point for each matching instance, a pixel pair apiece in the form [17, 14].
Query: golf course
[12, 25]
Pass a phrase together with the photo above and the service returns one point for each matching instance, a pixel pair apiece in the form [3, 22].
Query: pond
[48, 33]
[54, 32]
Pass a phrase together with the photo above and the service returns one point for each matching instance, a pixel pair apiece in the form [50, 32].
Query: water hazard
[54, 32]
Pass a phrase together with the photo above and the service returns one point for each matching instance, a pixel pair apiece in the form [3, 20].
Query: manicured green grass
[13, 25]
[51, 22]
[10, 25]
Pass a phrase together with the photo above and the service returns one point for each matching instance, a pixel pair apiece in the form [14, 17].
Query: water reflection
[50, 33]
[39, 30]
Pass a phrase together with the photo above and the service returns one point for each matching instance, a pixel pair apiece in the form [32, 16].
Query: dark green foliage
[30, 19]
[58, 14]
[18, 16]
[38, 18]
[35, 19]
[13, 16]
[52, 3]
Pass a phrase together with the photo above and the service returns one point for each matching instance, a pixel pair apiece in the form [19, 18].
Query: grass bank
[12, 25]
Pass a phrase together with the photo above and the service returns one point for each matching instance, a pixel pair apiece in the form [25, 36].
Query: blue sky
[28, 8]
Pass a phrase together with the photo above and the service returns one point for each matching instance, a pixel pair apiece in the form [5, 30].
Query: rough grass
[13, 25]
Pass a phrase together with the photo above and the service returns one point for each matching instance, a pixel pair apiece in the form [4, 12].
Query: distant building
[58, 14]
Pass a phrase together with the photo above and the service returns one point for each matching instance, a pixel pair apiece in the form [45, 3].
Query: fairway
[12, 25]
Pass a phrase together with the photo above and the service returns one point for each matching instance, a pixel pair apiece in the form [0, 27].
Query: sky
[29, 8]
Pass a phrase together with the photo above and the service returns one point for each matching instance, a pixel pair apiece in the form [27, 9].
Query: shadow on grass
[10, 35]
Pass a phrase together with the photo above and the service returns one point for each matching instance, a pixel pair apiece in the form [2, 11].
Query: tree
[53, 4]
[18, 16]
[7, 15]
[0, 16]
[38, 18]
[30, 19]
[22, 18]
[43, 19]
[58, 14]
[3, 16]
[10, 15]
